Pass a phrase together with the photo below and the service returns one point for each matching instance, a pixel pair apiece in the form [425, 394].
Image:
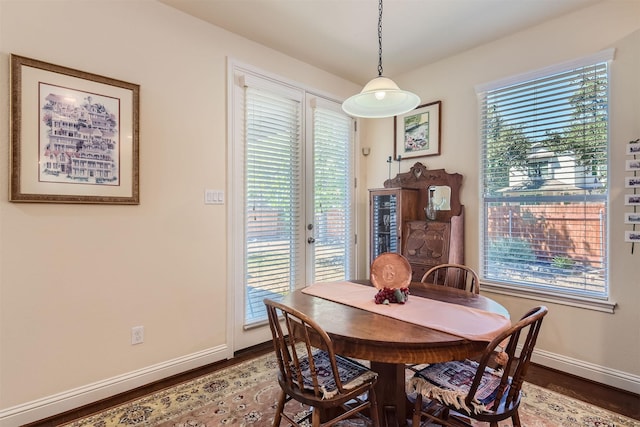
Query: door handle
[311, 240]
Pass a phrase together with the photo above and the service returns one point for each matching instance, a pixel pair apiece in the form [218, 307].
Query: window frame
[575, 299]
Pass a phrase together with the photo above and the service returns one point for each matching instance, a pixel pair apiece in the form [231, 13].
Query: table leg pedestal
[390, 393]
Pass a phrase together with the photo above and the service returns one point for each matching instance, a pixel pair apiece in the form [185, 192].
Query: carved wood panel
[426, 244]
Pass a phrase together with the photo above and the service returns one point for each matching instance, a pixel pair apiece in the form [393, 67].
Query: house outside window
[544, 184]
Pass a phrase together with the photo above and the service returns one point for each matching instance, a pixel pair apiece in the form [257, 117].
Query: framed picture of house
[417, 133]
[74, 136]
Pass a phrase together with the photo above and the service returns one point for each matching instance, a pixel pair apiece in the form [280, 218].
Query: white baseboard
[71, 399]
[601, 374]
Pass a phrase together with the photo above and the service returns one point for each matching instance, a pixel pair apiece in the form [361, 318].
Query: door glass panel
[332, 228]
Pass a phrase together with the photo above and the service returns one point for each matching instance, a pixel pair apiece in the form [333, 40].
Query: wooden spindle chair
[453, 275]
[492, 389]
[311, 373]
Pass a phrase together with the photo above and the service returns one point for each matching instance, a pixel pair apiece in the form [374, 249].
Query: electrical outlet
[137, 335]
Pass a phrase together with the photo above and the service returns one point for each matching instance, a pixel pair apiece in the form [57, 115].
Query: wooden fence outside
[575, 232]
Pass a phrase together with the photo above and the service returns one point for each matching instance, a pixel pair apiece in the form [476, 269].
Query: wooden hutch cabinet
[399, 222]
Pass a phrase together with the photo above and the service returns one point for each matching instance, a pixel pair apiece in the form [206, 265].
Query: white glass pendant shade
[381, 97]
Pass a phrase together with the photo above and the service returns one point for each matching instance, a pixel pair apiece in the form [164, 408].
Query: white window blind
[273, 197]
[544, 181]
[333, 188]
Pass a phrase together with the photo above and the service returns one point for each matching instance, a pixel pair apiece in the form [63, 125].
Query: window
[544, 180]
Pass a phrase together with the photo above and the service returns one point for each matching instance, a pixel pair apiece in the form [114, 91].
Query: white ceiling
[341, 36]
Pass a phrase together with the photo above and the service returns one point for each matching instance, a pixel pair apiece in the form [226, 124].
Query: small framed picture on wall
[417, 133]
[632, 199]
[632, 217]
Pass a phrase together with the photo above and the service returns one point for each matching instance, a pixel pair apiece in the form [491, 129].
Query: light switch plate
[213, 197]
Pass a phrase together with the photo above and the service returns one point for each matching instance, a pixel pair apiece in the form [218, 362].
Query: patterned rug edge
[232, 389]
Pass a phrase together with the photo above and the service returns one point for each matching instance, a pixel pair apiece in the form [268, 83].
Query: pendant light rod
[380, 38]
[381, 97]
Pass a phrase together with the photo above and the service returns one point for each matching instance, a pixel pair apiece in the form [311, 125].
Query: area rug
[246, 395]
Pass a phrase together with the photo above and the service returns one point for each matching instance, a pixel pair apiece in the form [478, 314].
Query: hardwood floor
[612, 399]
[620, 401]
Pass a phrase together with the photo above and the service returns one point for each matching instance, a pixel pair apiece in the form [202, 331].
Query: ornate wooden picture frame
[74, 136]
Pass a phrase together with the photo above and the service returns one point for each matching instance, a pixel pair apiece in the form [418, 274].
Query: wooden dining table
[389, 343]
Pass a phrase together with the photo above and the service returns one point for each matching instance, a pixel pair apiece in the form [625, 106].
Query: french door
[293, 218]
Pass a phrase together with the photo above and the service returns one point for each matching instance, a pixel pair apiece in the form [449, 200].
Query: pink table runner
[466, 322]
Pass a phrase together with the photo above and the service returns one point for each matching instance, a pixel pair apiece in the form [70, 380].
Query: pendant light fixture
[381, 97]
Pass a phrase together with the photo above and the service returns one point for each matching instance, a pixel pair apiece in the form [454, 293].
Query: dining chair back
[487, 389]
[310, 372]
[453, 275]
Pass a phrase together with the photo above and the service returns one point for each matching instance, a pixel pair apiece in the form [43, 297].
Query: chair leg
[373, 409]
[515, 419]
[315, 418]
[278, 417]
[445, 413]
[417, 411]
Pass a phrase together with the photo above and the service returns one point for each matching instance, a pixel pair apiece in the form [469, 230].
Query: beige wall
[74, 279]
[65, 329]
[604, 347]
